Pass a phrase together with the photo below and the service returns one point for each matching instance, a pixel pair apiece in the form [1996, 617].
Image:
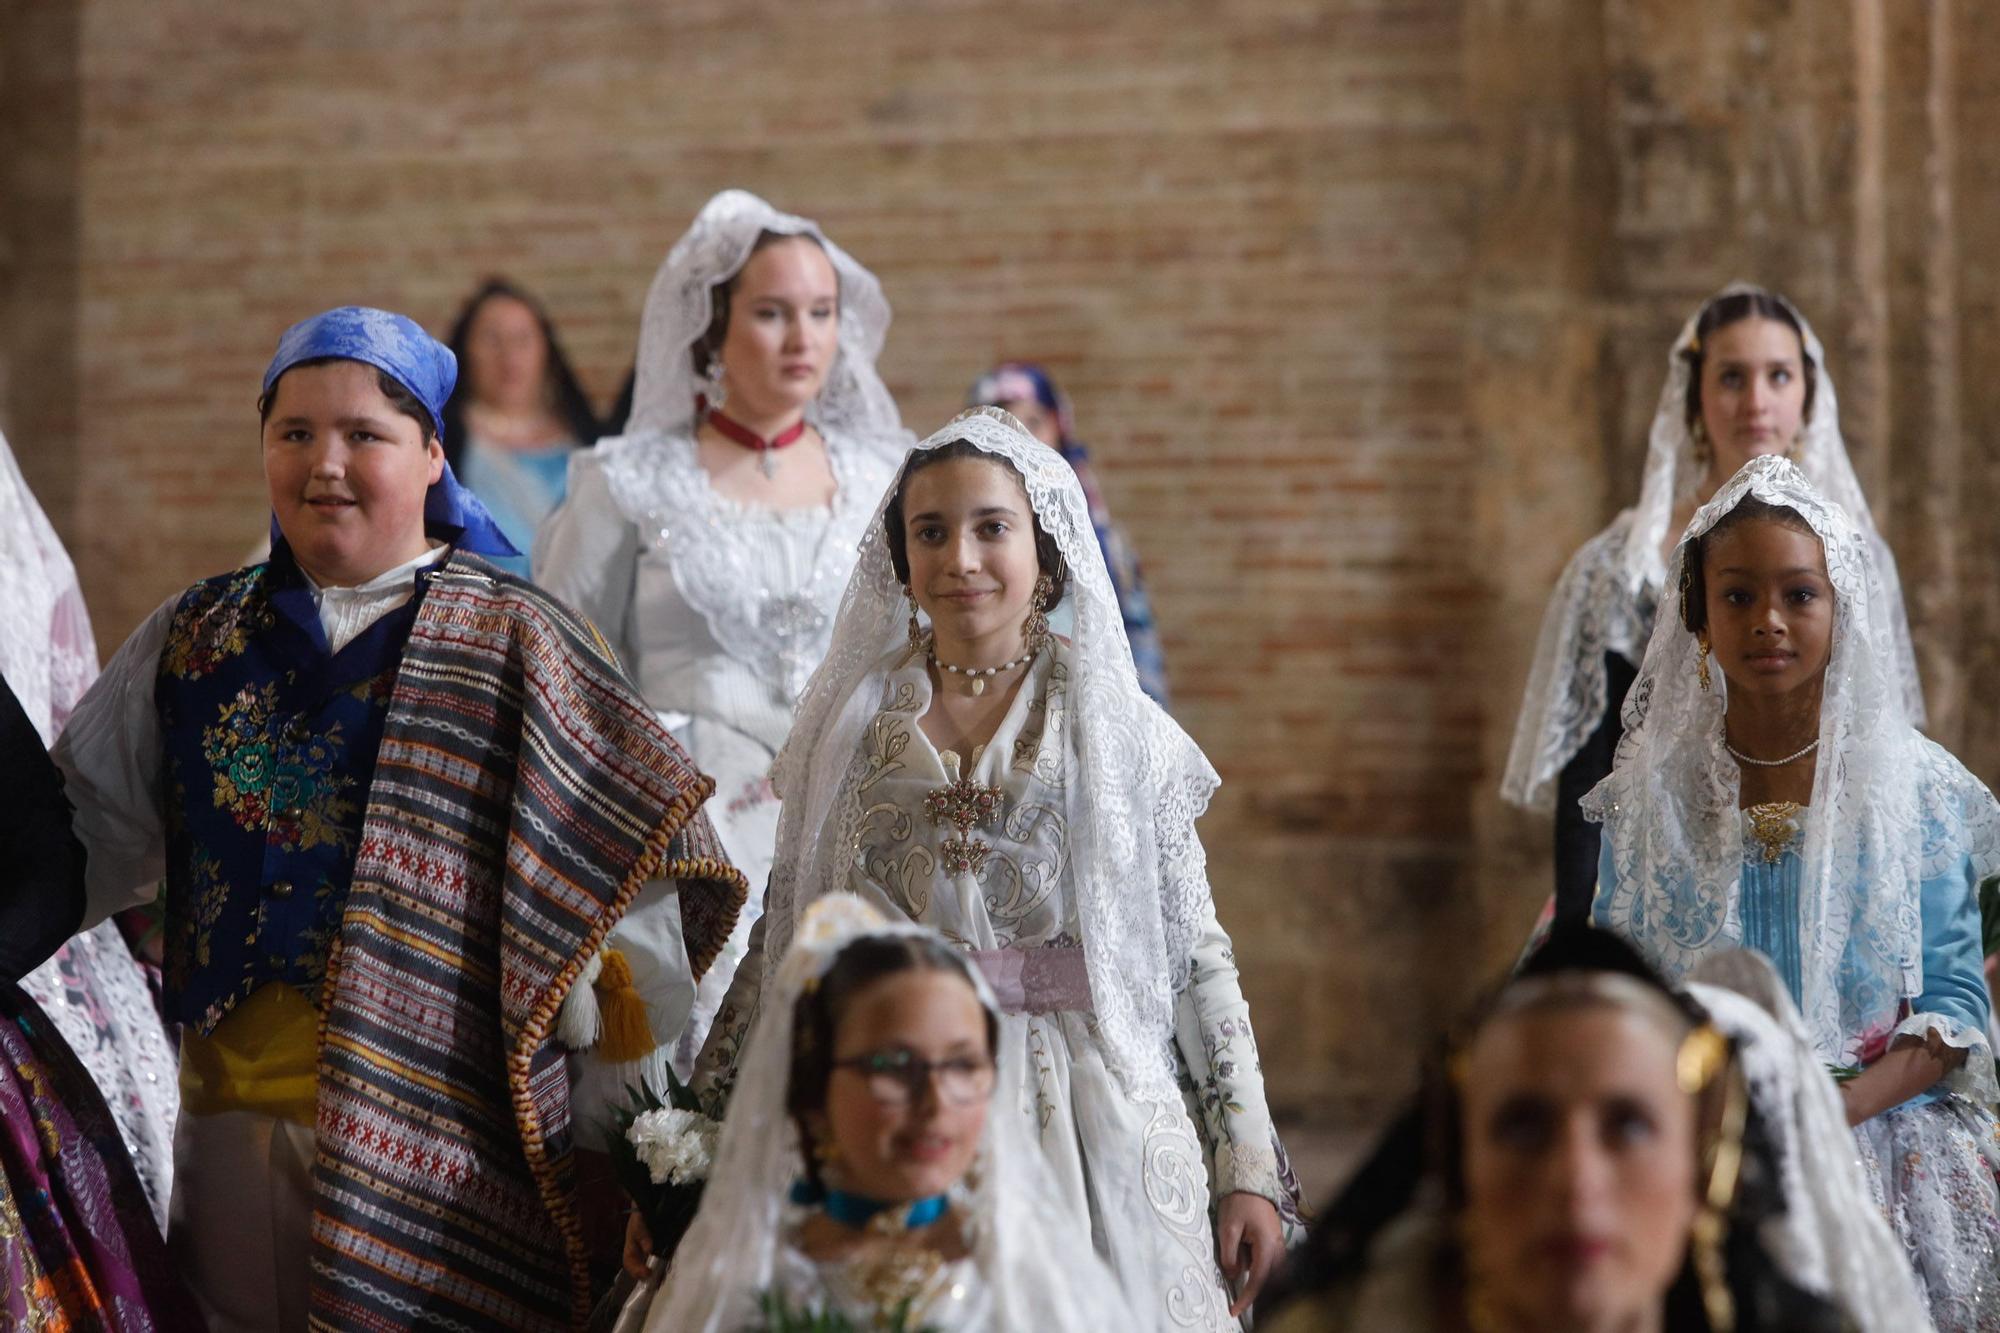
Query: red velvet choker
[735, 430]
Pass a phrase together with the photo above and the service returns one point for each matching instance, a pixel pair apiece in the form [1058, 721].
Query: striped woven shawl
[522, 795]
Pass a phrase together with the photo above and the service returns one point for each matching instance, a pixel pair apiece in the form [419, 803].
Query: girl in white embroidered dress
[1022, 795]
[1746, 377]
[1770, 792]
[710, 542]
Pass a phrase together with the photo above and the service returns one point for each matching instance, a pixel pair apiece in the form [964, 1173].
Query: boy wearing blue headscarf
[395, 799]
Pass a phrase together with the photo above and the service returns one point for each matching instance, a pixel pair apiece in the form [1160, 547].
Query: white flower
[678, 1147]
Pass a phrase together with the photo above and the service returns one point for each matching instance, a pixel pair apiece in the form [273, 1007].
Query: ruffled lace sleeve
[1961, 848]
[113, 760]
[587, 553]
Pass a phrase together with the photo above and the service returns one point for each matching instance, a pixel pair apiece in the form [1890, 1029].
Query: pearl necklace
[979, 675]
[1792, 758]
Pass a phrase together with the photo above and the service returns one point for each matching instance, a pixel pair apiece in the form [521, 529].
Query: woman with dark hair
[517, 414]
[1745, 377]
[868, 1174]
[1025, 389]
[1593, 1151]
[959, 765]
[1770, 793]
[710, 542]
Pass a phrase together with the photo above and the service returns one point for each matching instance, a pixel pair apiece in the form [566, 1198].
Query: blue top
[1768, 906]
[519, 488]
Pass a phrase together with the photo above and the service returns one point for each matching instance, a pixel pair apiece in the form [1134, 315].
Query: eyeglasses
[898, 1078]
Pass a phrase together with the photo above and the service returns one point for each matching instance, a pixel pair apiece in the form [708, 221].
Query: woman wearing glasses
[859, 1181]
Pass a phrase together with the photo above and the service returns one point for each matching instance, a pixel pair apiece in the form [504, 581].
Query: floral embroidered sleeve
[1212, 1023]
[587, 553]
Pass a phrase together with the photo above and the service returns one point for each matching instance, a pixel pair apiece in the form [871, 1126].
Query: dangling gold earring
[1037, 634]
[916, 630]
[1704, 454]
[1701, 663]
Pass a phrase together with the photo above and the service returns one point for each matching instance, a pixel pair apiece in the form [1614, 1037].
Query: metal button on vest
[282, 889]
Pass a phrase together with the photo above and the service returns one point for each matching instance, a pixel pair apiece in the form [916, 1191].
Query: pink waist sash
[1036, 981]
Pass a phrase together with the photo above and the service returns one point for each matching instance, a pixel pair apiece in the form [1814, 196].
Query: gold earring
[1704, 453]
[916, 630]
[1701, 664]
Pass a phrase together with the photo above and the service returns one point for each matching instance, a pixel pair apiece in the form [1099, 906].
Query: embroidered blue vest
[270, 749]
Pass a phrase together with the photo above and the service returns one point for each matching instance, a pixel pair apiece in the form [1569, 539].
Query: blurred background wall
[1364, 306]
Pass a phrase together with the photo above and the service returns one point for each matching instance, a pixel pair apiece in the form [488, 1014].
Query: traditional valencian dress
[1062, 855]
[1601, 614]
[1028, 1264]
[719, 609]
[1864, 901]
[394, 822]
[93, 990]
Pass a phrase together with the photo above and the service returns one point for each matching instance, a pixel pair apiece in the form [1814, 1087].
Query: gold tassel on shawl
[626, 1035]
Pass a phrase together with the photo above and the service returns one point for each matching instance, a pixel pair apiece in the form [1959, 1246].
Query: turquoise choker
[858, 1211]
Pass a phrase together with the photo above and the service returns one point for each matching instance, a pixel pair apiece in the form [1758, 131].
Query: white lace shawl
[1889, 809]
[1601, 600]
[1136, 867]
[1033, 1253]
[48, 656]
[853, 400]
[1831, 1239]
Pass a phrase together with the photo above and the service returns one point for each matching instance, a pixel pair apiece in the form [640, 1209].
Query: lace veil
[1134, 783]
[48, 655]
[1889, 808]
[1038, 1268]
[1831, 1238]
[1595, 606]
[853, 400]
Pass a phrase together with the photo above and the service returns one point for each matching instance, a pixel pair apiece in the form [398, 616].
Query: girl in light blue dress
[1771, 793]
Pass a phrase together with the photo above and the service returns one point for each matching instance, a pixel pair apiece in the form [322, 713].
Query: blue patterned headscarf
[399, 347]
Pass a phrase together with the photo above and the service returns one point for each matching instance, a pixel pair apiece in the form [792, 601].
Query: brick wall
[1362, 303]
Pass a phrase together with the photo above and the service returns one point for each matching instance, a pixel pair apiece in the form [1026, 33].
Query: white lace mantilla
[1592, 612]
[1889, 808]
[1607, 595]
[728, 558]
[1138, 781]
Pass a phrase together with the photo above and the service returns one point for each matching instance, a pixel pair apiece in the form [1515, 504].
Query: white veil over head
[1594, 609]
[1134, 782]
[680, 305]
[1887, 805]
[1038, 1268]
[48, 656]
